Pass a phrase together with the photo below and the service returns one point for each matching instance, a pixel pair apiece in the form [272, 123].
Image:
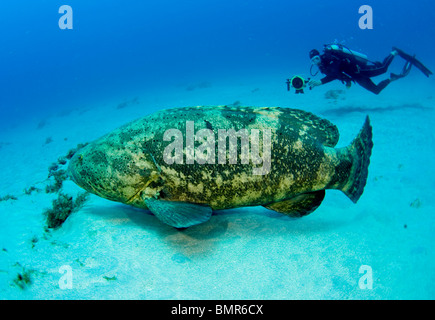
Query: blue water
[116, 46]
[154, 54]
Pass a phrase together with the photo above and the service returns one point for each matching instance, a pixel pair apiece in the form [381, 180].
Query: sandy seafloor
[119, 252]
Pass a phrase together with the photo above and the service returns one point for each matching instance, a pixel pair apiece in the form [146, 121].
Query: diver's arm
[327, 79]
[331, 68]
[315, 83]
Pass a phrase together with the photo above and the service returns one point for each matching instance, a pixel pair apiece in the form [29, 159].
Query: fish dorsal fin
[299, 206]
[179, 214]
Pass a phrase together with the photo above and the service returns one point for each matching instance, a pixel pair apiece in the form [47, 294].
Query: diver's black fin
[394, 76]
[299, 206]
[179, 214]
[407, 68]
[414, 61]
[405, 71]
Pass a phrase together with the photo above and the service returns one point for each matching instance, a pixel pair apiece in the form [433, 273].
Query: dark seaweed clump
[59, 174]
[64, 204]
[23, 278]
[73, 151]
[30, 190]
[62, 207]
[8, 197]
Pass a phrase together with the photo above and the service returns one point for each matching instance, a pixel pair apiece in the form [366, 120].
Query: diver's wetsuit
[346, 69]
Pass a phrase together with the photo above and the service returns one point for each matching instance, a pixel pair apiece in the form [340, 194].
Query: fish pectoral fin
[179, 214]
[299, 206]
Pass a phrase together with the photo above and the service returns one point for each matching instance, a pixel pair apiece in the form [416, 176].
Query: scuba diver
[340, 63]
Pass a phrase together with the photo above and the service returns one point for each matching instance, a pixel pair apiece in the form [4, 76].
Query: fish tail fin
[359, 151]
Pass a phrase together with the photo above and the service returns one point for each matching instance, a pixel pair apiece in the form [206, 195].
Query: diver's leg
[379, 68]
[382, 85]
[387, 61]
[368, 84]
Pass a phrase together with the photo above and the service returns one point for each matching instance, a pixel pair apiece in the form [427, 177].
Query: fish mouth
[78, 179]
[72, 173]
[73, 176]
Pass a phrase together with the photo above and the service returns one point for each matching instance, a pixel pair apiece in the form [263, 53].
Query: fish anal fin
[179, 214]
[300, 205]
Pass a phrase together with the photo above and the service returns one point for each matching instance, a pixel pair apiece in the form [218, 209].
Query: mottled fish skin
[127, 165]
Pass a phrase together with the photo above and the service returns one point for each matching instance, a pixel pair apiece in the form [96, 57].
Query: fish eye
[80, 158]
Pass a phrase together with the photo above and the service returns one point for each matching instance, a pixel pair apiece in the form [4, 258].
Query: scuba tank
[346, 52]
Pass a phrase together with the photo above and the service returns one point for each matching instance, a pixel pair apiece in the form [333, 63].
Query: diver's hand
[314, 83]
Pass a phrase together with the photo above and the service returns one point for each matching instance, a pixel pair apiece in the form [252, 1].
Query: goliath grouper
[183, 163]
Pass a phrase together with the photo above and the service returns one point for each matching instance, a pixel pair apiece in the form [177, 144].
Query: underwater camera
[298, 83]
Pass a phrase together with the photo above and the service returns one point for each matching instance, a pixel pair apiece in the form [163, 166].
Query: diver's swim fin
[406, 68]
[405, 71]
[414, 61]
[395, 76]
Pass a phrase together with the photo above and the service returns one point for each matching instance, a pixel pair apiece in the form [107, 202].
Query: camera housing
[298, 83]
